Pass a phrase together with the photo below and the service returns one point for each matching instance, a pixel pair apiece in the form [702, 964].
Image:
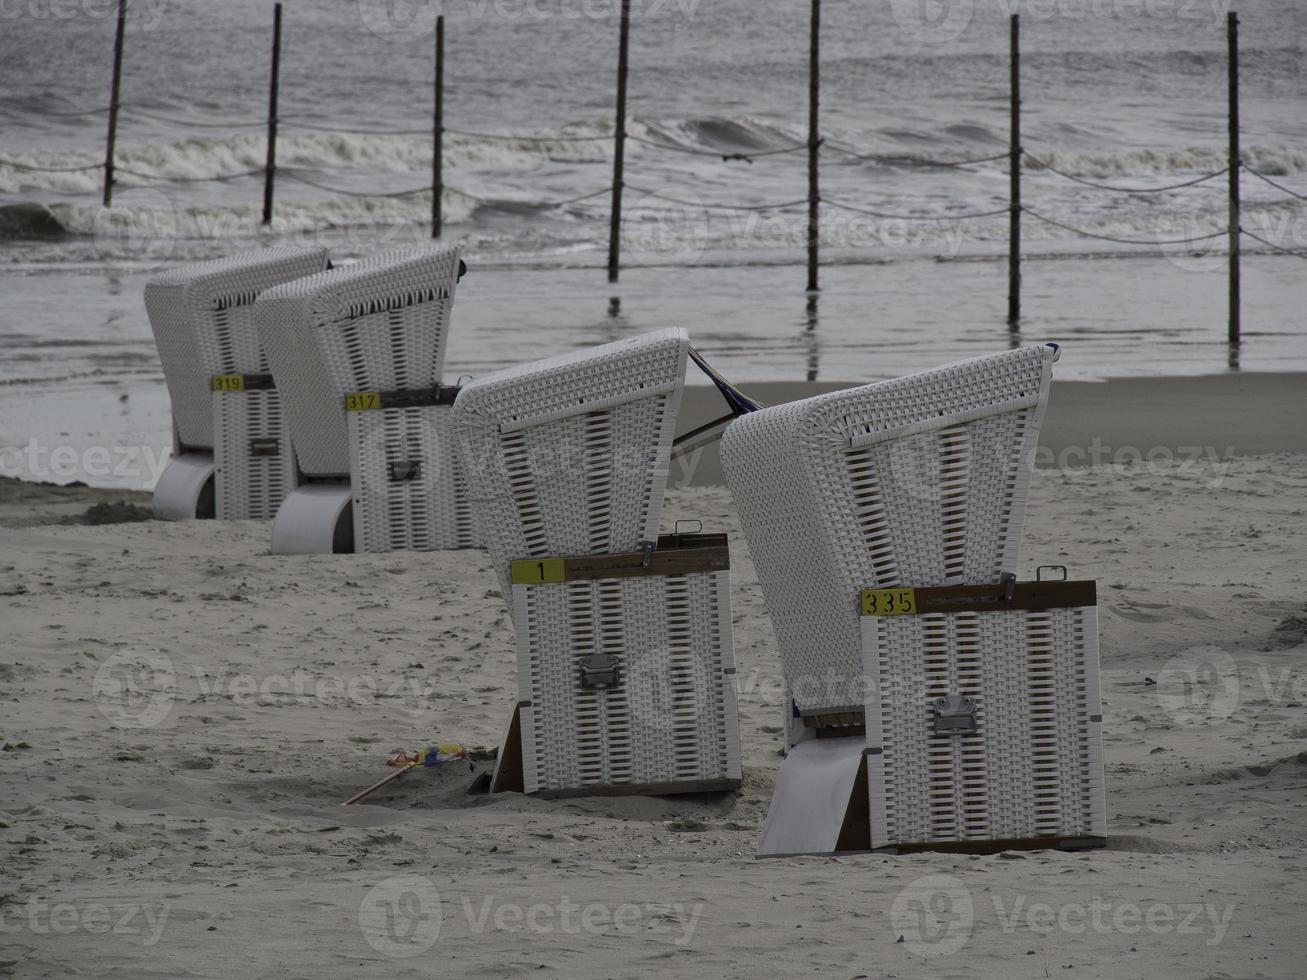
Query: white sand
[212, 843]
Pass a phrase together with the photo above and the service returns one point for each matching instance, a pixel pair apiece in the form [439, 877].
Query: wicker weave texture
[671, 718]
[202, 318]
[918, 481]
[569, 455]
[378, 325]
[250, 486]
[1034, 766]
[409, 488]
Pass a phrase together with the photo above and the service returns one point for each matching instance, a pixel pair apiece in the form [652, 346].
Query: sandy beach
[184, 713]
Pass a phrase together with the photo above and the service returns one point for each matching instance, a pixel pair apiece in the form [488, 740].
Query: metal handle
[403, 470]
[954, 715]
[599, 672]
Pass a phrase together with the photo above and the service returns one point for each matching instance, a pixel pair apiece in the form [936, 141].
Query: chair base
[821, 806]
[185, 491]
[509, 777]
[314, 519]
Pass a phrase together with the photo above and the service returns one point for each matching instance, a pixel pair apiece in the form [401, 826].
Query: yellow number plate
[363, 401]
[888, 602]
[533, 571]
[229, 382]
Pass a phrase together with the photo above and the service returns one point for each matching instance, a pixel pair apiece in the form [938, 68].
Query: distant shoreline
[1203, 420]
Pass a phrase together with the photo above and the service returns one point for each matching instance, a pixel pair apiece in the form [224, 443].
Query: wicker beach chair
[855, 502]
[231, 456]
[625, 654]
[359, 353]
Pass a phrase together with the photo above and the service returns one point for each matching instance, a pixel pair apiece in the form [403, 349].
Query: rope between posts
[423, 190]
[747, 157]
[199, 124]
[291, 124]
[62, 115]
[1124, 241]
[348, 193]
[1123, 190]
[1278, 248]
[528, 139]
[1262, 176]
[916, 217]
[718, 207]
[188, 180]
[50, 170]
[543, 204]
[926, 163]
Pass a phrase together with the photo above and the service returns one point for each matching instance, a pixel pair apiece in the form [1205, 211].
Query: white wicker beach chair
[917, 481]
[625, 655]
[227, 417]
[359, 353]
[857, 501]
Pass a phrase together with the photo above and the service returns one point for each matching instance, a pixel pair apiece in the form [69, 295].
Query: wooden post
[1232, 40]
[112, 137]
[438, 134]
[270, 168]
[619, 146]
[1014, 182]
[814, 139]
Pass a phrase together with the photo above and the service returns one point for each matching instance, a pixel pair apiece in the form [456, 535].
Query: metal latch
[598, 672]
[265, 447]
[403, 470]
[954, 715]
[1008, 582]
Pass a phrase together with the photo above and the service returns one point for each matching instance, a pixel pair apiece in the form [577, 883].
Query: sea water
[1125, 93]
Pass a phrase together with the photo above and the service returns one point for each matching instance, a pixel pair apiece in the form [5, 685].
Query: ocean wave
[149, 223]
[350, 155]
[1178, 162]
[210, 158]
